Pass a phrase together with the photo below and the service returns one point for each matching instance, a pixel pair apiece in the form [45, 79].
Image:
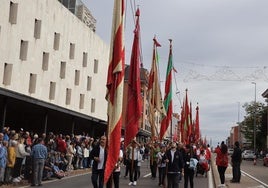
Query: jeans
[162, 175]
[153, 167]
[38, 167]
[133, 171]
[236, 171]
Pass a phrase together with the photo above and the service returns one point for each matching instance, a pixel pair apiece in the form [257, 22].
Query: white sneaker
[134, 183]
[130, 183]
[19, 178]
[221, 185]
[15, 180]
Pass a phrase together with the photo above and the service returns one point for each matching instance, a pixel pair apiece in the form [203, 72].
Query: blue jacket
[3, 156]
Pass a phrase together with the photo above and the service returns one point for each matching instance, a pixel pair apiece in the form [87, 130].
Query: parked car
[248, 154]
[230, 151]
[265, 160]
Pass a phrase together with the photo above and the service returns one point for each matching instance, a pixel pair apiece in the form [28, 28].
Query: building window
[56, 44]
[52, 90]
[23, 50]
[89, 81]
[45, 61]
[84, 59]
[7, 74]
[82, 100]
[68, 96]
[62, 69]
[13, 12]
[96, 63]
[32, 83]
[37, 29]
[72, 51]
[77, 77]
[93, 101]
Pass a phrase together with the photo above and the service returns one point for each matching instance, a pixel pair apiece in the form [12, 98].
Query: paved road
[258, 171]
[251, 175]
[145, 181]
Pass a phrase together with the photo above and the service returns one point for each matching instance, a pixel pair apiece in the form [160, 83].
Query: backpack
[192, 164]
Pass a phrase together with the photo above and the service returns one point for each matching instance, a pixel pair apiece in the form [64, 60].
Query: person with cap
[175, 165]
[236, 162]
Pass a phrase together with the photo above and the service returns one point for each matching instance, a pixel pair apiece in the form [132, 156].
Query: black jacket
[176, 165]
[96, 153]
[236, 156]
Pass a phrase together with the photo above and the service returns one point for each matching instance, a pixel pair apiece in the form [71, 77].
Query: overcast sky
[219, 48]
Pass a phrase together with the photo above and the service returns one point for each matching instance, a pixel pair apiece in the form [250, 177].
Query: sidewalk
[245, 182]
[25, 183]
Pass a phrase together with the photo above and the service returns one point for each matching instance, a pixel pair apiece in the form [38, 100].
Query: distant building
[81, 11]
[144, 126]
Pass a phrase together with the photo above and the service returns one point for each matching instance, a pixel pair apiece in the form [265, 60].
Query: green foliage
[247, 125]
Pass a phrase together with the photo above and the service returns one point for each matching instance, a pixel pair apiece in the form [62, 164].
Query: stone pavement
[245, 182]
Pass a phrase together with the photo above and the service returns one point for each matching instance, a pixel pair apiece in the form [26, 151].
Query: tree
[247, 125]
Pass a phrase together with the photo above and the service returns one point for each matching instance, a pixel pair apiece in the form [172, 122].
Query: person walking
[189, 168]
[222, 162]
[39, 155]
[99, 156]
[236, 162]
[115, 177]
[175, 165]
[134, 152]
[161, 162]
[154, 149]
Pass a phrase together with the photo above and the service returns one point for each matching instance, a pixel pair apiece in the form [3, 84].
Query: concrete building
[53, 68]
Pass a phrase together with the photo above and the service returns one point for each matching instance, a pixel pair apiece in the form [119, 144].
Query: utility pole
[239, 126]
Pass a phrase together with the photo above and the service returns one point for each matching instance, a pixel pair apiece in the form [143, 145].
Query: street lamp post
[254, 124]
[239, 126]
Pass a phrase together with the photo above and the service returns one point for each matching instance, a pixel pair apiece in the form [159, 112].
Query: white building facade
[49, 54]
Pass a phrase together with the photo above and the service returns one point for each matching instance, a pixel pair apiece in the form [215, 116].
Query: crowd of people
[32, 157]
[170, 162]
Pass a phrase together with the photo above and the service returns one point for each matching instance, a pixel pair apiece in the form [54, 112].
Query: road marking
[259, 181]
[146, 175]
